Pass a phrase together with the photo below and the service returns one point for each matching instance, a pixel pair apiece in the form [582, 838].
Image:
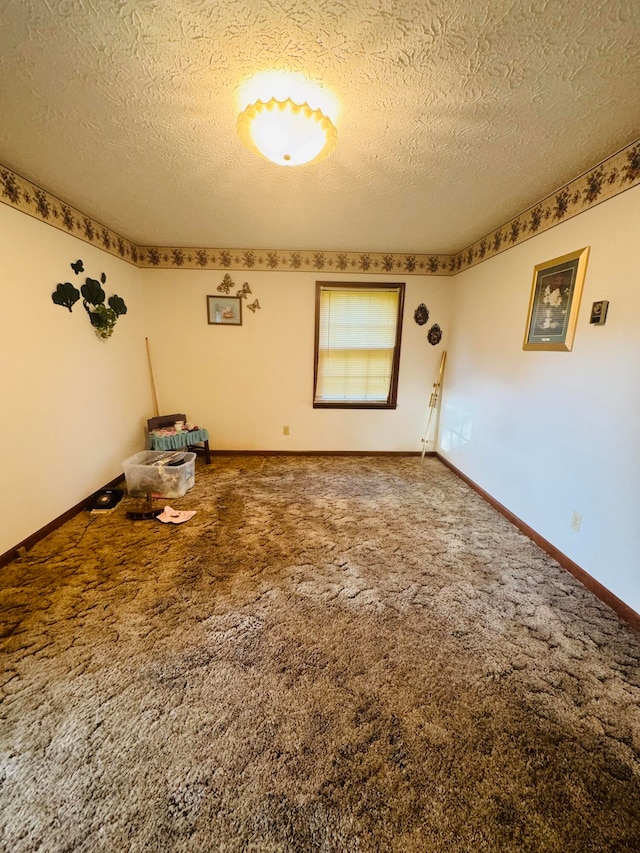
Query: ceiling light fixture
[286, 119]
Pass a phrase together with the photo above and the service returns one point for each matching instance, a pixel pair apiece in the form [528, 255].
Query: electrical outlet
[285, 430]
[576, 521]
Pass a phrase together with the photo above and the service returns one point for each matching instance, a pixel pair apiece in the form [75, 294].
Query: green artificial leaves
[102, 317]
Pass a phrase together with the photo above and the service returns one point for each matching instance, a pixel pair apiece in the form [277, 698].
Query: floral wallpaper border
[288, 261]
[609, 178]
[21, 194]
[612, 176]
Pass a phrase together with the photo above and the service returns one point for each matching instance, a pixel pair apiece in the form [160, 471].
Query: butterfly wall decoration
[227, 284]
[77, 267]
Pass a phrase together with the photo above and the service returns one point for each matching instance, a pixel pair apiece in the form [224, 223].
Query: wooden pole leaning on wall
[156, 410]
[434, 400]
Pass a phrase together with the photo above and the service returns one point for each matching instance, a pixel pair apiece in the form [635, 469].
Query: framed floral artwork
[224, 310]
[555, 302]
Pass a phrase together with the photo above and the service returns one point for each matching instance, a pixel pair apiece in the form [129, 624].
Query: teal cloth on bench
[180, 439]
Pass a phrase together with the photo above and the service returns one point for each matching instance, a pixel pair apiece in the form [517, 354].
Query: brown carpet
[334, 654]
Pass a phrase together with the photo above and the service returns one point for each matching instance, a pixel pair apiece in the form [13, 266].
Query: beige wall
[72, 405]
[245, 383]
[544, 433]
[547, 433]
[90, 399]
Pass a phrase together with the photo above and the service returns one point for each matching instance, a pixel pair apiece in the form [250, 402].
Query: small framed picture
[555, 302]
[224, 310]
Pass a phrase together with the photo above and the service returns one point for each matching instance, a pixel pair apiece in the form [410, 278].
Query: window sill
[363, 404]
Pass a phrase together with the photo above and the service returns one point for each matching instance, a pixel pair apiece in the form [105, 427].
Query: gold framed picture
[555, 302]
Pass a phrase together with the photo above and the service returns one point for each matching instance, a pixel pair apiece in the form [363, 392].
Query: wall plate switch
[285, 430]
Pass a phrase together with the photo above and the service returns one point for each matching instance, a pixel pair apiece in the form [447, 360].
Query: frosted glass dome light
[285, 128]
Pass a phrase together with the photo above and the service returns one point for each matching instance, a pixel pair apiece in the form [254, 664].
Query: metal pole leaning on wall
[434, 399]
[156, 410]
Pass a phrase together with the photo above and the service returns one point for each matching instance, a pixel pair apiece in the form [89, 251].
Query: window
[358, 328]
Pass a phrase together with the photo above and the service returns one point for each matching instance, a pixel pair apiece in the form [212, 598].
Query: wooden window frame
[392, 398]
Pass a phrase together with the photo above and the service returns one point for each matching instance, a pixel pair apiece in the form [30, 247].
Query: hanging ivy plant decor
[102, 317]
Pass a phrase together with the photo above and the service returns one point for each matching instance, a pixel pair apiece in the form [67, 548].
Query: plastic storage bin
[168, 474]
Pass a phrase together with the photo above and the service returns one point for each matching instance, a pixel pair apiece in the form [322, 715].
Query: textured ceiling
[455, 115]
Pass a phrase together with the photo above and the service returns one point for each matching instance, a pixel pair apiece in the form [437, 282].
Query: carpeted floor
[334, 654]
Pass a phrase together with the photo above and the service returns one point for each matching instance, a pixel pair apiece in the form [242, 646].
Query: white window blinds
[357, 331]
